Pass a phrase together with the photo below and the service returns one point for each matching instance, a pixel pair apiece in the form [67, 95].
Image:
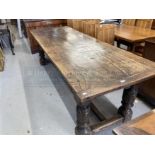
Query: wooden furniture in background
[6, 38]
[34, 24]
[93, 68]
[147, 88]
[144, 23]
[76, 24]
[153, 24]
[132, 35]
[86, 26]
[70, 22]
[1, 60]
[143, 125]
[130, 22]
[105, 33]
[89, 27]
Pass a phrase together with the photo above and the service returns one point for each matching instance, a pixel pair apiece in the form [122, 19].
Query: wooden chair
[143, 125]
[130, 22]
[70, 22]
[105, 33]
[86, 26]
[89, 27]
[75, 24]
[144, 23]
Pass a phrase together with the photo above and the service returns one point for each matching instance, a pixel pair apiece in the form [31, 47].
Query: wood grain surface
[133, 33]
[90, 66]
[130, 22]
[144, 23]
[143, 125]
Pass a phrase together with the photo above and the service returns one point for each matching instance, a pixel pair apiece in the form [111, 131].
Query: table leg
[118, 43]
[42, 57]
[129, 96]
[83, 127]
[131, 47]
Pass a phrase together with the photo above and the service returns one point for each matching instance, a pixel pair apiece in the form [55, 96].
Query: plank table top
[133, 33]
[91, 67]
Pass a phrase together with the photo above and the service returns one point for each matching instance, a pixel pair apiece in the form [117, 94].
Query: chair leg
[118, 43]
[11, 44]
[1, 45]
[12, 50]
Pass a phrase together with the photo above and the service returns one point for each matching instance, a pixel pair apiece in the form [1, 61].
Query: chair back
[89, 27]
[70, 22]
[130, 22]
[144, 23]
[105, 33]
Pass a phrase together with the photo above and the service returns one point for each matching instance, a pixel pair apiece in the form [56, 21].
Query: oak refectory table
[93, 68]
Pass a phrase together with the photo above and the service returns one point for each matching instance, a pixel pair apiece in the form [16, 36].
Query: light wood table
[93, 68]
[132, 35]
[143, 125]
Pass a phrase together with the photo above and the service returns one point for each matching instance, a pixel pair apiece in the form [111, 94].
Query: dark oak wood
[143, 125]
[92, 68]
[39, 23]
[106, 124]
[42, 57]
[153, 24]
[129, 96]
[97, 111]
[83, 127]
[147, 88]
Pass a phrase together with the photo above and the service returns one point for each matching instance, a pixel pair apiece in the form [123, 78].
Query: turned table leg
[129, 96]
[42, 57]
[83, 127]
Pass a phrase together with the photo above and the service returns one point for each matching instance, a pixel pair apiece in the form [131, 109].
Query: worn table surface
[133, 33]
[91, 67]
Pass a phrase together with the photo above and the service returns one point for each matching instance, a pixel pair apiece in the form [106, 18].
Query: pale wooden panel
[130, 22]
[105, 33]
[142, 125]
[144, 23]
[89, 27]
[70, 22]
